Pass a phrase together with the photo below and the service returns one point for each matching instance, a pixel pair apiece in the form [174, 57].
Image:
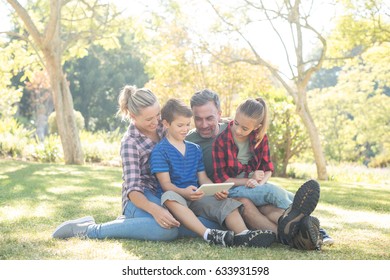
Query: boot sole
[304, 203]
[311, 225]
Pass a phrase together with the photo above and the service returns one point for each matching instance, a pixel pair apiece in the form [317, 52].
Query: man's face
[206, 118]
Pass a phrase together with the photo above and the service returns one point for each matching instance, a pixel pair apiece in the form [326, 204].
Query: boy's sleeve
[158, 161]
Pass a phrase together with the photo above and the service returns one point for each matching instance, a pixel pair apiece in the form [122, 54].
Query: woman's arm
[162, 216]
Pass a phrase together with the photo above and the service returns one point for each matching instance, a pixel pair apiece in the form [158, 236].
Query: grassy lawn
[36, 198]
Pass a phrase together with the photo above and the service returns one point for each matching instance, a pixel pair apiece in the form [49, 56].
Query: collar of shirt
[135, 133]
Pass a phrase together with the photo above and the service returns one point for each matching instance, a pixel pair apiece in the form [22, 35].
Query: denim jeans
[139, 224]
[264, 194]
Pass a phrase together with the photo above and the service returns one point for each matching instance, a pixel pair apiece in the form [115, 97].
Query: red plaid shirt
[225, 151]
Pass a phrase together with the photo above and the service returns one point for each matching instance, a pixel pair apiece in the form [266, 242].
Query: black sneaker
[255, 238]
[220, 237]
[304, 203]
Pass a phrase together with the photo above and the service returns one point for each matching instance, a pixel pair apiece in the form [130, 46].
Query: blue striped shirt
[183, 170]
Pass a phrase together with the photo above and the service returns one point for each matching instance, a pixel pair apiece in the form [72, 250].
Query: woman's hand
[221, 195]
[164, 218]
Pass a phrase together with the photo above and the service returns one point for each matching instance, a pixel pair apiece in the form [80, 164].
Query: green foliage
[14, 138]
[353, 116]
[287, 135]
[52, 122]
[96, 80]
[101, 146]
[48, 151]
[362, 25]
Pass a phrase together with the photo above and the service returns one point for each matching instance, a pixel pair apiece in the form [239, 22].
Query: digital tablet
[211, 189]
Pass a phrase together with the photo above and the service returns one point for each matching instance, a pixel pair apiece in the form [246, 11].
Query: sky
[265, 41]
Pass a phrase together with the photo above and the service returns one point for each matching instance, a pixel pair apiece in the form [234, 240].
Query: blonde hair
[256, 109]
[132, 100]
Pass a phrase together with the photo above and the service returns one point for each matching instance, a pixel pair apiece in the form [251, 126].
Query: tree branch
[30, 26]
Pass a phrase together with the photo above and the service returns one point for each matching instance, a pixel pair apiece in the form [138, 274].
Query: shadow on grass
[348, 196]
[72, 191]
[66, 187]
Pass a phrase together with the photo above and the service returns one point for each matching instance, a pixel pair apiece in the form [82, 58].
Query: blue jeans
[264, 194]
[139, 224]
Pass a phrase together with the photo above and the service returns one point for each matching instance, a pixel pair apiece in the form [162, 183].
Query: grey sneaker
[327, 240]
[255, 238]
[220, 237]
[73, 228]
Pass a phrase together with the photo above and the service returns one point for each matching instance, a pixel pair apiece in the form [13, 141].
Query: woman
[143, 216]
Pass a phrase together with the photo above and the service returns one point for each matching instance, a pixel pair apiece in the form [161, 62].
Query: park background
[323, 67]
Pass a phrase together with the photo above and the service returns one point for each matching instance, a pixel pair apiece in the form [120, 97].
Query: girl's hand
[251, 183]
[221, 195]
[258, 175]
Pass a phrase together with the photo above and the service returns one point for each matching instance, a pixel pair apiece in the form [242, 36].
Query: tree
[293, 18]
[64, 31]
[96, 79]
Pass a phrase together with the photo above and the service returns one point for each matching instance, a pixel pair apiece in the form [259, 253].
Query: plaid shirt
[135, 152]
[225, 151]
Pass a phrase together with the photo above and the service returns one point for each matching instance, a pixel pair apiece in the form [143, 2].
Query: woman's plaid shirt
[225, 151]
[135, 152]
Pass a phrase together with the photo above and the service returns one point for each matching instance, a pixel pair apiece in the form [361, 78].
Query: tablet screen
[211, 189]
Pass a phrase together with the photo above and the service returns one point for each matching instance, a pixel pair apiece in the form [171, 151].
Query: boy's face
[178, 128]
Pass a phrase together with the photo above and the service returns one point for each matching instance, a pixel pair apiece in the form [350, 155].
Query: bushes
[18, 142]
[52, 122]
[101, 147]
[14, 138]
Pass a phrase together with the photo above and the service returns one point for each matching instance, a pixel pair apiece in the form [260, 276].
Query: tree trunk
[304, 113]
[63, 101]
[50, 44]
[66, 123]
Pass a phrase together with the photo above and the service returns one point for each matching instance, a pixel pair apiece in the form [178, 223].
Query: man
[206, 108]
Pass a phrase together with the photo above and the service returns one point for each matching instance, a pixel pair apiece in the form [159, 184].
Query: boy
[178, 166]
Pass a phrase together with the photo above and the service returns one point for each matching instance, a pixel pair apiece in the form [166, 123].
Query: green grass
[36, 198]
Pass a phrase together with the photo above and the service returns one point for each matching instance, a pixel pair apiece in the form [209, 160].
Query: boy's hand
[192, 194]
[221, 195]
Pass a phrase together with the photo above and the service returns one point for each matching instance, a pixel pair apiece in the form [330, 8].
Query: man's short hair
[201, 97]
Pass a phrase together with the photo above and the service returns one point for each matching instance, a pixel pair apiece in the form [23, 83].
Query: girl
[241, 155]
